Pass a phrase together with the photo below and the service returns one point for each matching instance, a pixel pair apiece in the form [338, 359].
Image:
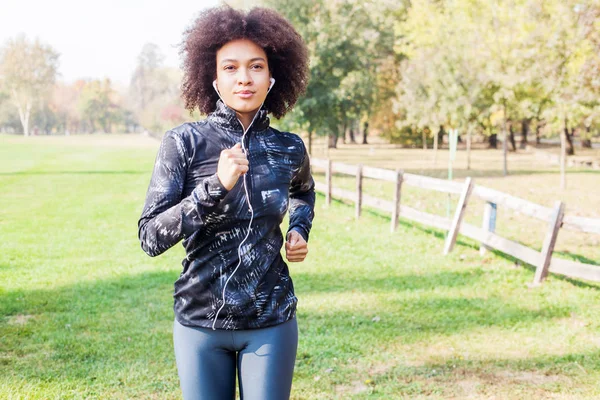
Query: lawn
[86, 314]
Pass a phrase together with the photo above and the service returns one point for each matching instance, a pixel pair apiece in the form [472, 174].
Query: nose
[244, 77]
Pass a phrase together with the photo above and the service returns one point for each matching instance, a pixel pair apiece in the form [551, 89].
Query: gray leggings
[207, 361]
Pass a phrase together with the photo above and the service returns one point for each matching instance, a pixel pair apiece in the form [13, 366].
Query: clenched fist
[232, 164]
[296, 247]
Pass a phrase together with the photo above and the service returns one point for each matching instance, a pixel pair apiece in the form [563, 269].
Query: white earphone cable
[247, 200]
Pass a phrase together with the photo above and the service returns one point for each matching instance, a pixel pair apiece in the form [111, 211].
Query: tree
[9, 117]
[147, 81]
[44, 118]
[589, 24]
[97, 105]
[27, 71]
[154, 93]
[501, 65]
[64, 103]
[348, 42]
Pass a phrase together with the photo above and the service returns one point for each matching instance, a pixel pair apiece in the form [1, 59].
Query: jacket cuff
[210, 192]
[303, 232]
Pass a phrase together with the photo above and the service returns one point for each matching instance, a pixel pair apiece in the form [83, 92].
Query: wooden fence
[555, 217]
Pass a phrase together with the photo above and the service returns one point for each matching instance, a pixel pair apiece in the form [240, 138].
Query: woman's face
[242, 75]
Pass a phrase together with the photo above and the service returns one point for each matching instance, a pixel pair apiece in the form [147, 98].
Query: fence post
[359, 179]
[328, 180]
[396, 209]
[489, 223]
[458, 216]
[549, 241]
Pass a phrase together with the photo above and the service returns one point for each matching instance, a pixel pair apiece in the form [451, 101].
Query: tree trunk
[538, 128]
[310, 142]
[352, 125]
[24, 117]
[435, 147]
[524, 132]
[23, 114]
[423, 132]
[569, 139]
[563, 157]
[587, 142]
[333, 138]
[504, 151]
[441, 133]
[505, 142]
[365, 132]
[511, 130]
[469, 148]
[493, 141]
[344, 126]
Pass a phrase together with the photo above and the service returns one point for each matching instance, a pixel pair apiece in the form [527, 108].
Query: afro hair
[286, 53]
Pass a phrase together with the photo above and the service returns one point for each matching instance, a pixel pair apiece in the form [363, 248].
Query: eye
[229, 68]
[257, 66]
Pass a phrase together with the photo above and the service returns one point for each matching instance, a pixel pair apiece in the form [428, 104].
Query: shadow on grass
[308, 283]
[576, 257]
[335, 334]
[89, 329]
[532, 268]
[413, 320]
[97, 328]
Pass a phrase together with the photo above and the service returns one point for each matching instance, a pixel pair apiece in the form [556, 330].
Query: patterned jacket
[185, 200]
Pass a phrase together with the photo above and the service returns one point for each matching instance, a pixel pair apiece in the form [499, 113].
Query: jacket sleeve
[302, 198]
[166, 217]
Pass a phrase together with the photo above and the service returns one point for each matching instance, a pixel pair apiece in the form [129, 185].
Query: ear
[272, 80]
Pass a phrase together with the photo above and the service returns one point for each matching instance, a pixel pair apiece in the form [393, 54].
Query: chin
[244, 107]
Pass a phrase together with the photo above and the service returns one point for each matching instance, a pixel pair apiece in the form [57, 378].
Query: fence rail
[555, 217]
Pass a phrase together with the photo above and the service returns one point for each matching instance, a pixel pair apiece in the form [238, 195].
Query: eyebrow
[251, 60]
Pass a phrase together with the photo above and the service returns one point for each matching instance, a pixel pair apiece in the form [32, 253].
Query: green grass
[86, 314]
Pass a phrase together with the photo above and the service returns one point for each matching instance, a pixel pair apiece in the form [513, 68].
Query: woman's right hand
[232, 164]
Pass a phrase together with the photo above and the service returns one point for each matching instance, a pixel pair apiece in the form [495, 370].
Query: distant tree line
[33, 101]
[408, 70]
[414, 69]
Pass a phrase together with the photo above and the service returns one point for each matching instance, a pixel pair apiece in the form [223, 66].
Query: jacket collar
[226, 118]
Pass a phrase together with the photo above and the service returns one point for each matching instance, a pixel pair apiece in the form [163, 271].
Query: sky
[98, 39]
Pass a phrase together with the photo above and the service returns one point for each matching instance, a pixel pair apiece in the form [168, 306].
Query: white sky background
[100, 39]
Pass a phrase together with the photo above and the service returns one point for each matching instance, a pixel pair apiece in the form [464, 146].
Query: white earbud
[271, 85]
[215, 86]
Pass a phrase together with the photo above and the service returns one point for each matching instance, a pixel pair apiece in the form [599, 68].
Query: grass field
[86, 314]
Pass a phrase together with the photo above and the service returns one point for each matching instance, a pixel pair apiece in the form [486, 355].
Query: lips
[245, 94]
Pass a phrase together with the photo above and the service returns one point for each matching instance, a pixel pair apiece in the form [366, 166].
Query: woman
[223, 185]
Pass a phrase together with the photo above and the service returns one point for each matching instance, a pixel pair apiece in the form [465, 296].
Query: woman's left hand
[296, 247]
